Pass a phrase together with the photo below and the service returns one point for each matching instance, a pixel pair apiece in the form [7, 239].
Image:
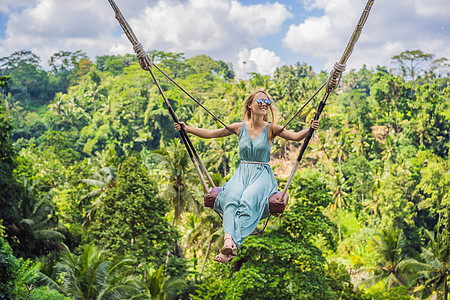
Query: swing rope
[331, 84]
[146, 63]
[301, 108]
[195, 100]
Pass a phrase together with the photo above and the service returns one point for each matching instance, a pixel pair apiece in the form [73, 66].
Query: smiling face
[252, 106]
[257, 107]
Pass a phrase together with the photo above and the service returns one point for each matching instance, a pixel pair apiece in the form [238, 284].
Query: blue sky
[265, 34]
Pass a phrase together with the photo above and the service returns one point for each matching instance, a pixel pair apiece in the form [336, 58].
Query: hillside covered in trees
[99, 199]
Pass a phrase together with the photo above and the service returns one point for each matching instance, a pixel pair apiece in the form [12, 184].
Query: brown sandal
[227, 250]
[223, 259]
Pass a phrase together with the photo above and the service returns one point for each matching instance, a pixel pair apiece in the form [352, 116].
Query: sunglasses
[262, 101]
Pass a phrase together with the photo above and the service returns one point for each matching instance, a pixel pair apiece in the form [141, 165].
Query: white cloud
[266, 61]
[434, 9]
[392, 27]
[54, 19]
[218, 28]
[309, 36]
[214, 27]
[257, 60]
[259, 20]
[6, 6]
[227, 29]
[48, 26]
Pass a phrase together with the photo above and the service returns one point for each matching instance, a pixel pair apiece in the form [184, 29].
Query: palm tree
[174, 164]
[36, 223]
[389, 245]
[288, 81]
[275, 91]
[360, 144]
[205, 234]
[389, 150]
[69, 110]
[102, 181]
[287, 108]
[322, 150]
[94, 93]
[56, 106]
[259, 81]
[106, 107]
[339, 194]
[339, 149]
[154, 282]
[222, 153]
[92, 275]
[372, 202]
[157, 287]
[434, 270]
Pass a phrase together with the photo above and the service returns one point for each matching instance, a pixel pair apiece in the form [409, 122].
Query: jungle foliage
[99, 199]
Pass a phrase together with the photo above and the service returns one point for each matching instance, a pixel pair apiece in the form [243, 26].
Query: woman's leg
[251, 207]
[231, 219]
[229, 206]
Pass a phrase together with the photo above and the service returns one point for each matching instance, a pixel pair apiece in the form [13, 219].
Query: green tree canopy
[131, 219]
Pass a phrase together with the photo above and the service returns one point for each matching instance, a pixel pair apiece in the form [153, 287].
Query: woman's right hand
[178, 126]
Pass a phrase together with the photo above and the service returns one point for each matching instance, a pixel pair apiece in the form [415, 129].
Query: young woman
[243, 201]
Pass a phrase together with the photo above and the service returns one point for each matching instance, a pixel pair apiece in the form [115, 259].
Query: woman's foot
[229, 247]
[223, 258]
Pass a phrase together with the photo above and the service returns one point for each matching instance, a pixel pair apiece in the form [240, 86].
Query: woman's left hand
[314, 124]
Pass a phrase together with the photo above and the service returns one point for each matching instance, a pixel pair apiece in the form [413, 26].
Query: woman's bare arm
[209, 133]
[292, 135]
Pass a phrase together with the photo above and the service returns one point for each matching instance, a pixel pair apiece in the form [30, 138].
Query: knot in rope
[144, 59]
[335, 76]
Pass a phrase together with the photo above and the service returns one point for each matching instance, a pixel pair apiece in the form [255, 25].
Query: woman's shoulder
[274, 129]
[236, 126]
[275, 126]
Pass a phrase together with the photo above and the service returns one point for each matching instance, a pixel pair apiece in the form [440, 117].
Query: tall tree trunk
[339, 223]
[206, 257]
[321, 168]
[168, 251]
[178, 200]
[224, 167]
[362, 201]
[445, 286]
[340, 167]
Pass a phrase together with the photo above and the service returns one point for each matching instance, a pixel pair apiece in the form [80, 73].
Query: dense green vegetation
[99, 199]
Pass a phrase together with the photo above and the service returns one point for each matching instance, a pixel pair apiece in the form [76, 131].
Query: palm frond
[91, 195]
[93, 182]
[172, 286]
[371, 281]
[413, 266]
[27, 222]
[46, 280]
[48, 234]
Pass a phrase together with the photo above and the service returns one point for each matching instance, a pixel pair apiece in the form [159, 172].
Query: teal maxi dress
[244, 199]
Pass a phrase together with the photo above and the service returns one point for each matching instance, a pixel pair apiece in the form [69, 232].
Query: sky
[255, 36]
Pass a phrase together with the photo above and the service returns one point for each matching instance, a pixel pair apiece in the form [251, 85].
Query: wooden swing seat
[276, 205]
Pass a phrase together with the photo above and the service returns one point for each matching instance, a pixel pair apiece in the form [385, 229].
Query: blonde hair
[248, 112]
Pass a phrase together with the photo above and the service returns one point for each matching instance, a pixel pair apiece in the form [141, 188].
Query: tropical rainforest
[99, 198]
